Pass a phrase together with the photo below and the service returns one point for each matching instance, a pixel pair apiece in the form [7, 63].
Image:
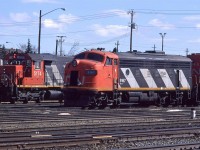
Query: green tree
[3, 51]
[114, 50]
[29, 47]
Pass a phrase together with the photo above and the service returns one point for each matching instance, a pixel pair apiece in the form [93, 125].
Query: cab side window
[28, 63]
[37, 64]
[115, 62]
[108, 61]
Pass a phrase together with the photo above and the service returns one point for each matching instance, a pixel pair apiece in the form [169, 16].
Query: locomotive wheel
[25, 101]
[157, 102]
[103, 104]
[12, 101]
[38, 100]
[93, 103]
[165, 102]
[115, 104]
[100, 102]
[92, 106]
[125, 97]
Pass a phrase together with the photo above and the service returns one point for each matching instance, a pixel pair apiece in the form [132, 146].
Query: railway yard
[54, 127]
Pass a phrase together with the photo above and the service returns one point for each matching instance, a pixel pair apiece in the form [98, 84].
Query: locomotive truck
[30, 76]
[98, 78]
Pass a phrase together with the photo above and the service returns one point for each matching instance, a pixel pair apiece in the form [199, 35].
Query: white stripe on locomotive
[148, 78]
[183, 79]
[48, 79]
[57, 74]
[130, 78]
[165, 77]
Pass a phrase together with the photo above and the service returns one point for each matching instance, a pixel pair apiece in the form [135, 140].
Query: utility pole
[132, 27]
[56, 47]
[187, 51]
[61, 40]
[162, 36]
[39, 35]
[117, 45]
[154, 47]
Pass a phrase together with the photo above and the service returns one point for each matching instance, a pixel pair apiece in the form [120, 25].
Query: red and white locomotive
[100, 78]
[26, 76]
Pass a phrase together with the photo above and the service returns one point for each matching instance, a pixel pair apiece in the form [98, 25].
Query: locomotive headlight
[74, 63]
[91, 72]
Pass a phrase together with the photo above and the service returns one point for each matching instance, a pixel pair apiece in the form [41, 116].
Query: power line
[107, 41]
[71, 18]
[107, 15]
[81, 31]
[53, 34]
[168, 12]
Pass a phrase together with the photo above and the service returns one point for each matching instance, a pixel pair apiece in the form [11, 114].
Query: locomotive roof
[102, 53]
[49, 57]
[151, 56]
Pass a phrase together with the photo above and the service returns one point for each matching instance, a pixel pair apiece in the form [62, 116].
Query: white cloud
[39, 1]
[110, 30]
[198, 25]
[62, 21]
[160, 24]
[68, 19]
[49, 23]
[194, 41]
[20, 17]
[120, 13]
[192, 18]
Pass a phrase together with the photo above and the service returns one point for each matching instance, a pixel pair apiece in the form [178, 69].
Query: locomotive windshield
[90, 56]
[80, 56]
[95, 57]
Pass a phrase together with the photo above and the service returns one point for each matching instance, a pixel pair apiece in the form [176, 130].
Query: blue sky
[101, 23]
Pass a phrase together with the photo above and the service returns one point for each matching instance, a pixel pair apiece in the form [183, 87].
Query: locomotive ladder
[179, 96]
[116, 98]
[189, 94]
[197, 94]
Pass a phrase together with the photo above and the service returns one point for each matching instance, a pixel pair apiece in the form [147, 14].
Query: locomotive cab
[32, 69]
[86, 76]
[31, 76]
[92, 69]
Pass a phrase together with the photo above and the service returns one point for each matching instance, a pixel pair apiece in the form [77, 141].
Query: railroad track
[51, 126]
[72, 139]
